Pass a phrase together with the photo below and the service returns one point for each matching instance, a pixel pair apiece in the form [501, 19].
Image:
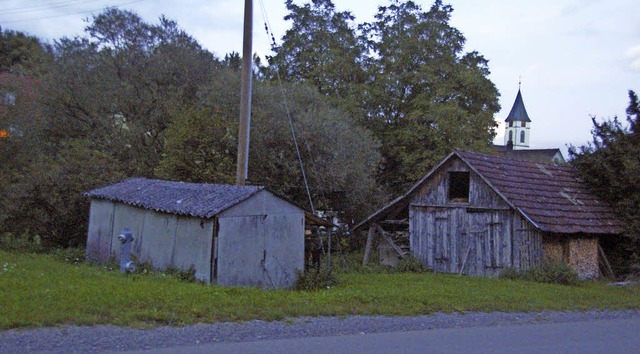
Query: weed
[72, 255]
[315, 280]
[552, 273]
[188, 276]
[25, 242]
[410, 264]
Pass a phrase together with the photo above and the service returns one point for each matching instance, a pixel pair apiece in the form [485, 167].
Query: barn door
[468, 251]
[441, 244]
[491, 245]
[485, 245]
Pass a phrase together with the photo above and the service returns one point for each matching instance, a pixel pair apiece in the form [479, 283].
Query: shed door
[241, 247]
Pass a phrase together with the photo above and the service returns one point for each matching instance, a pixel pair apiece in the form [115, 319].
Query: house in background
[232, 235]
[478, 214]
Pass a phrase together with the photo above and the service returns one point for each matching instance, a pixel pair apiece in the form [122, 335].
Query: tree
[120, 85]
[321, 49]
[200, 147]
[46, 200]
[107, 100]
[23, 54]
[337, 155]
[404, 76]
[610, 165]
[424, 96]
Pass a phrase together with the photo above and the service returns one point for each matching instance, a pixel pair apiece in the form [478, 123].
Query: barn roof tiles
[190, 199]
[553, 197]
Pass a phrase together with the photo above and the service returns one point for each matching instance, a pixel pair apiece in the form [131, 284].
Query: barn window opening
[459, 187]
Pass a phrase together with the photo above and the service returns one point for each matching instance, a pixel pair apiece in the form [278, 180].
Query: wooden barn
[478, 214]
[232, 235]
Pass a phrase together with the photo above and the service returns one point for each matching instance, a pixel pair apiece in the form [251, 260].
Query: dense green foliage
[315, 280]
[554, 273]
[23, 54]
[611, 167]
[405, 77]
[38, 290]
[373, 106]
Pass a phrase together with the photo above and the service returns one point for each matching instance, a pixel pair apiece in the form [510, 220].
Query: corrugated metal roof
[552, 196]
[518, 113]
[190, 199]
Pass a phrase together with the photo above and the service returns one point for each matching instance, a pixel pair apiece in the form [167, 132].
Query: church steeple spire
[517, 124]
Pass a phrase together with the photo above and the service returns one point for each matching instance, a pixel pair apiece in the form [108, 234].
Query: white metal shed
[232, 235]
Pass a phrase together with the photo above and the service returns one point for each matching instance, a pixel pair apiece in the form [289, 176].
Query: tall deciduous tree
[120, 85]
[404, 76]
[107, 100]
[321, 49]
[23, 54]
[425, 96]
[611, 166]
[339, 157]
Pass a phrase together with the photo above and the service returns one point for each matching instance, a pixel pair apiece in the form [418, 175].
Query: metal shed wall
[260, 242]
[160, 239]
[100, 230]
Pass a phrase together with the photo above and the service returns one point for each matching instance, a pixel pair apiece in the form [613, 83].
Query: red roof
[552, 197]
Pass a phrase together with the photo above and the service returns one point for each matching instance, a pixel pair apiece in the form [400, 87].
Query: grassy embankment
[39, 290]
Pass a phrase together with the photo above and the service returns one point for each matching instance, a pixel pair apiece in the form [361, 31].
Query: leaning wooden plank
[464, 262]
[387, 237]
[605, 261]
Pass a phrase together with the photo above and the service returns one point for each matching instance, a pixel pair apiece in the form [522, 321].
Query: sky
[572, 59]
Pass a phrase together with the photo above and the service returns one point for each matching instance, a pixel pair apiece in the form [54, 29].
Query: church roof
[536, 155]
[518, 112]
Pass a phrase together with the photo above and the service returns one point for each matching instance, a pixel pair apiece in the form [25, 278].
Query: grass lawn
[38, 290]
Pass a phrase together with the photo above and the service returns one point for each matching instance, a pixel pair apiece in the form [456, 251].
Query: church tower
[517, 125]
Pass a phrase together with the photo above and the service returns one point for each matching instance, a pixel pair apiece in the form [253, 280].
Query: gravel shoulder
[77, 339]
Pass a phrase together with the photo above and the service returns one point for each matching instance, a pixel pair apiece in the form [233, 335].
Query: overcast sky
[576, 58]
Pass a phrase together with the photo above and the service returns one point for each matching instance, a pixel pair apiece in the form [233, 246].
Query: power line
[286, 107]
[49, 6]
[25, 10]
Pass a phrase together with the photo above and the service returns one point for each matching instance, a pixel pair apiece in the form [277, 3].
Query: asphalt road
[598, 336]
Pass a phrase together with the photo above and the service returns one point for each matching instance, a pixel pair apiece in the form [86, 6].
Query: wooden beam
[244, 127]
[467, 207]
[369, 245]
[605, 261]
[387, 237]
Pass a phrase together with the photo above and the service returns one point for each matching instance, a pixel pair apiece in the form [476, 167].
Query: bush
[183, 275]
[410, 264]
[552, 273]
[315, 280]
[72, 255]
[21, 243]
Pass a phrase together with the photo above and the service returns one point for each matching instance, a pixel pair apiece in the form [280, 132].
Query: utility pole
[245, 97]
